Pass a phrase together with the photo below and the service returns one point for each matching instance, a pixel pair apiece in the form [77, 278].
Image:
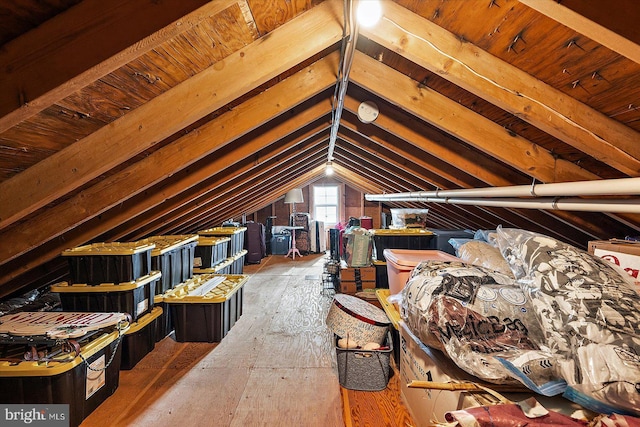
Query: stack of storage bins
[116, 277]
[206, 307]
[235, 256]
[173, 256]
[74, 360]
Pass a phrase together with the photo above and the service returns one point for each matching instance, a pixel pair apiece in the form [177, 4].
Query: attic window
[325, 204]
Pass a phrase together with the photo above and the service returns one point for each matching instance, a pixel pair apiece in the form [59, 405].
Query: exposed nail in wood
[565, 71]
[575, 83]
[573, 42]
[493, 3]
[436, 14]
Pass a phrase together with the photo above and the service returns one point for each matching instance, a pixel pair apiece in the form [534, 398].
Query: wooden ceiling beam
[463, 123]
[70, 51]
[285, 97]
[189, 101]
[508, 87]
[622, 14]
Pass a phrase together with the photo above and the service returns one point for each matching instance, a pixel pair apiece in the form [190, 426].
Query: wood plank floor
[276, 367]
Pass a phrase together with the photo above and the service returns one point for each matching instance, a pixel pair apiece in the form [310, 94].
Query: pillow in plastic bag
[481, 253]
[475, 315]
[590, 315]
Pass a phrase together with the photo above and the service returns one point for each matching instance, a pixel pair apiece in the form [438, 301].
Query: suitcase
[254, 242]
[302, 241]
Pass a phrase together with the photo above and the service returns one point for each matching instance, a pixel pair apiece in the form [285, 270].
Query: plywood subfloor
[276, 367]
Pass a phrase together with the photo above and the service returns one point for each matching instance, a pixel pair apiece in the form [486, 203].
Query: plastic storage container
[140, 339]
[441, 238]
[366, 370]
[164, 323]
[280, 244]
[109, 262]
[237, 262]
[408, 218]
[236, 234]
[173, 257]
[223, 267]
[206, 307]
[405, 238]
[80, 377]
[382, 277]
[400, 262]
[211, 251]
[135, 298]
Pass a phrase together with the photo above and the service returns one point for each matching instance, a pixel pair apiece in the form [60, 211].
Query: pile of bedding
[560, 321]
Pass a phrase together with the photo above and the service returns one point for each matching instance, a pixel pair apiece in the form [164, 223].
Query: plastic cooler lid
[106, 287]
[112, 248]
[221, 231]
[412, 257]
[401, 232]
[168, 243]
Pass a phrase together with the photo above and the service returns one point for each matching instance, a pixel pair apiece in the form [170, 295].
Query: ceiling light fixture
[369, 12]
[329, 169]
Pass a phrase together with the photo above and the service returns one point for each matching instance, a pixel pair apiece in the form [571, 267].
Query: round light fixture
[367, 112]
[369, 12]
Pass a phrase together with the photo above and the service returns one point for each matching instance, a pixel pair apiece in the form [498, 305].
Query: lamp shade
[294, 196]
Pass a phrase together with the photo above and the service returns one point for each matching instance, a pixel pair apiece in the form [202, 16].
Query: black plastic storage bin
[441, 239]
[400, 238]
[135, 298]
[140, 339]
[207, 317]
[366, 370]
[211, 251]
[382, 276]
[109, 262]
[164, 323]
[235, 234]
[280, 244]
[173, 257]
[70, 381]
[237, 262]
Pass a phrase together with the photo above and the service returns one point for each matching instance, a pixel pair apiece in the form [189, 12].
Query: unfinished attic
[135, 123]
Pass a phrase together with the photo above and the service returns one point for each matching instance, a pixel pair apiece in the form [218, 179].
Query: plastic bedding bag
[480, 252]
[590, 317]
[473, 315]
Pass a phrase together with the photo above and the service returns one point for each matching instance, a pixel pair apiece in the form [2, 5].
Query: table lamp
[294, 196]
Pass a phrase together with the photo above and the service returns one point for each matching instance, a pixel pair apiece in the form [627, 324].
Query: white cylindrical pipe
[610, 187]
[548, 203]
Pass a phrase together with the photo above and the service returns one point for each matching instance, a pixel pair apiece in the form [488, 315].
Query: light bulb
[369, 12]
[329, 169]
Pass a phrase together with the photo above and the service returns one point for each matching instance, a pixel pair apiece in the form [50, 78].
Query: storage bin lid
[216, 268]
[106, 287]
[111, 248]
[212, 240]
[145, 320]
[412, 257]
[400, 232]
[164, 244]
[219, 293]
[221, 231]
[356, 319]
[239, 255]
[56, 324]
[61, 363]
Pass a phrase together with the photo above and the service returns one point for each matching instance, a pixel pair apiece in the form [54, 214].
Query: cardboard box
[419, 362]
[351, 287]
[621, 253]
[352, 274]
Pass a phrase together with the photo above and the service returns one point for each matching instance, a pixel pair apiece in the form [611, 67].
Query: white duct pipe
[548, 203]
[609, 187]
